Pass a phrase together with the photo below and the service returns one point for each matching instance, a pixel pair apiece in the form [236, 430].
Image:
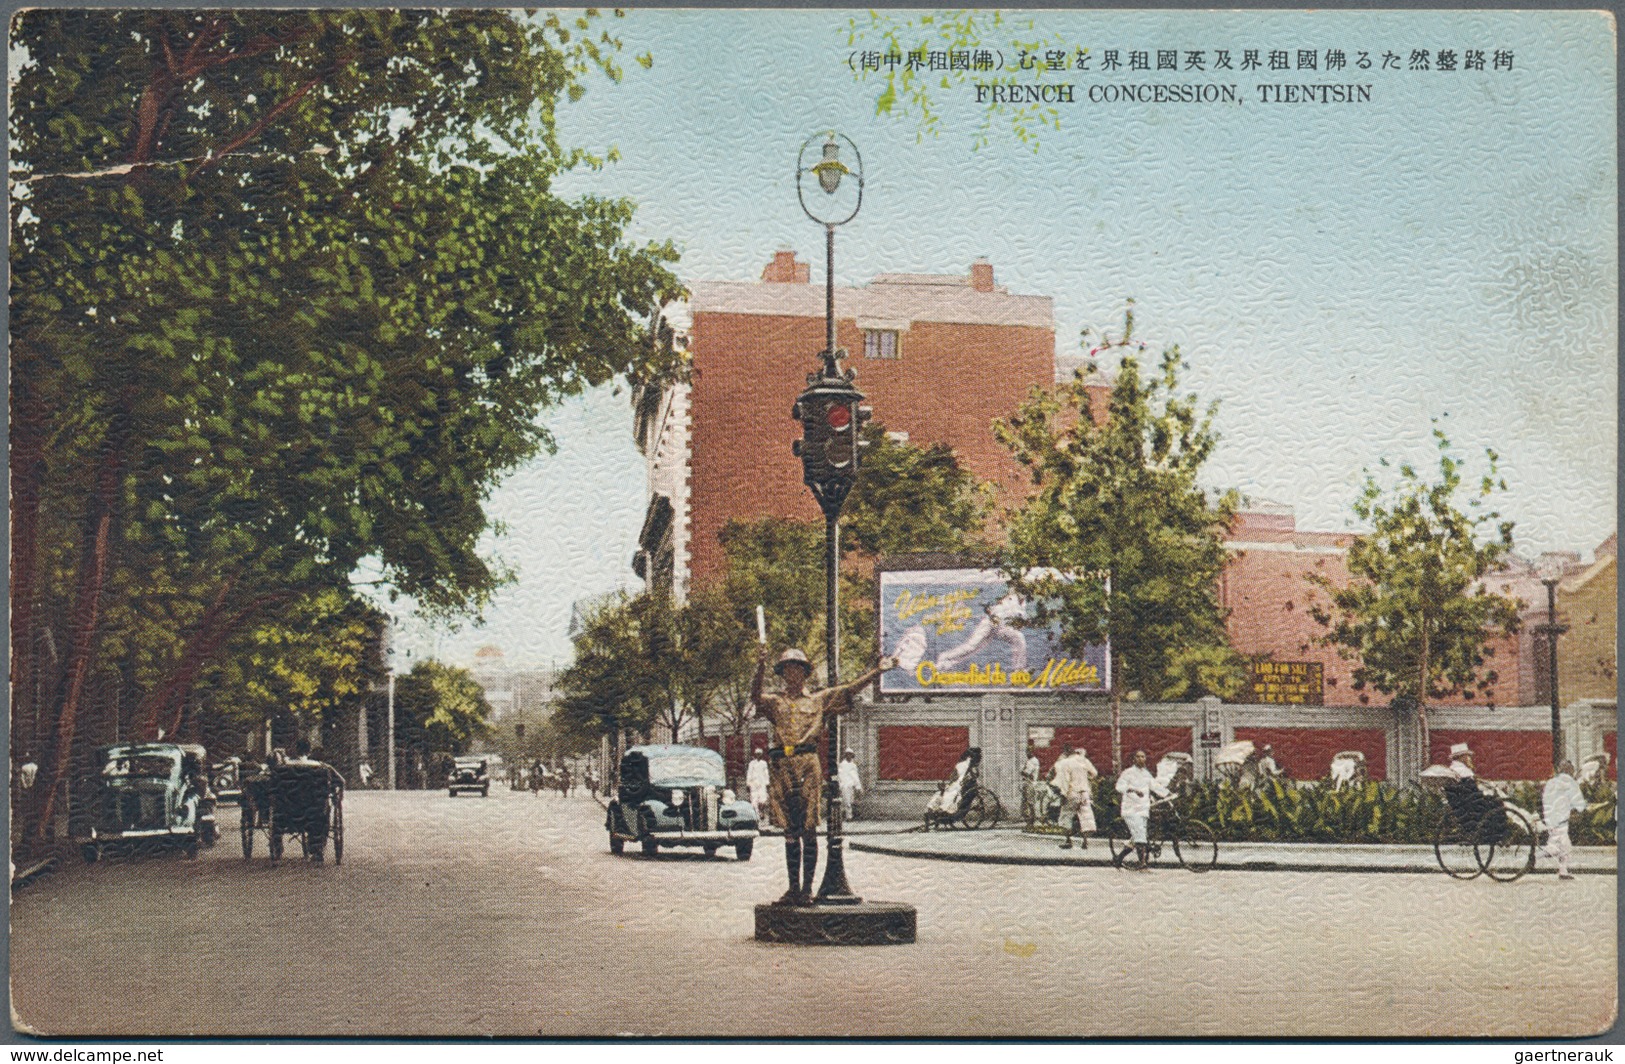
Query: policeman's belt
[780, 752]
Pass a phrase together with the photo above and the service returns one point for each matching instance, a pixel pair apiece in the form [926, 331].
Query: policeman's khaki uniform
[795, 780]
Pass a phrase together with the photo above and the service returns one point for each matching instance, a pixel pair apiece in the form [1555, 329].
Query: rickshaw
[1480, 832]
[302, 798]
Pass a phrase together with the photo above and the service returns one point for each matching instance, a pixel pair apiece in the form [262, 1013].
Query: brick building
[941, 357]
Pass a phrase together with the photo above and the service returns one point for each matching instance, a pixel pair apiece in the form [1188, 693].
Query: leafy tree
[1416, 615]
[910, 89]
[1118, 504]
[288, 291]
[907, 499]
[606, 688]
[439, 709]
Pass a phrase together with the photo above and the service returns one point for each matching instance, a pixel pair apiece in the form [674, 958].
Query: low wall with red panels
[919, 752]
[1097, 744]
[1306, 753]
[1497, 755]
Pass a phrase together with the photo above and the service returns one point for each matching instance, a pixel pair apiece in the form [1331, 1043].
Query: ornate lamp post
[1551, 630]
[831, 417]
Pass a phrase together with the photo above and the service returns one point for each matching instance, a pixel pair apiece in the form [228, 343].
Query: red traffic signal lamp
[831, 417]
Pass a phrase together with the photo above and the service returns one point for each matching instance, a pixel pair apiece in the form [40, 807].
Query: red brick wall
[919, 752]
[1269, 599]
[949, 385]
[1306, 753]
[1097, 744]
[1497, 755]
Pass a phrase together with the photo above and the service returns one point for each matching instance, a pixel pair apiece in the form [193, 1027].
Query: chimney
[981, 275]
[784, 269]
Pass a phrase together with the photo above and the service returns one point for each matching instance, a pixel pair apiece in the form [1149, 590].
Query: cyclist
[1136, 784]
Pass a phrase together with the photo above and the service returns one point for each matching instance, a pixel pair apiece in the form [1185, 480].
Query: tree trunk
[28, 433]
[1117, 714]
[1422, 700]
[86, 621]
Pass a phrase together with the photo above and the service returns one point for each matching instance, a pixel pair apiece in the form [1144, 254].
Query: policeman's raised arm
[761, 675]
[842, 700]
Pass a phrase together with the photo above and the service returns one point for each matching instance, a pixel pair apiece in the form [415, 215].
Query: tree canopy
[289, 289]
[1120, 541]
[1416, 614]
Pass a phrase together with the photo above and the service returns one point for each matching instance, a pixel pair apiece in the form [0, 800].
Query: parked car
[228, 780]
[678, 796]
[469, 773]
[147, 793]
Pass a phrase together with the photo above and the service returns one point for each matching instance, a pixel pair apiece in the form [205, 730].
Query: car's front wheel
[742, 849]
[617, 845]
[646, 835]
[90, 852]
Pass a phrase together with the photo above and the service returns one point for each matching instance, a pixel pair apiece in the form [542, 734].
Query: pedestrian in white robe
[1561, 797]
[756, 784]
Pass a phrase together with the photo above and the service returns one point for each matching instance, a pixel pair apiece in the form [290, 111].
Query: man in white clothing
[756, 782]
[1135, 786]
[1074, 778]
[1461, 761]
[846, 777]
[1029, 786]
[1561, 797]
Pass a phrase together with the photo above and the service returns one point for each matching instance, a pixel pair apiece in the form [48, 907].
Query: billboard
[1287, 683]
[959, 631]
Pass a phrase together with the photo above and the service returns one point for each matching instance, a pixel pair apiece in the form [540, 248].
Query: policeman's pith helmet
[792, 657]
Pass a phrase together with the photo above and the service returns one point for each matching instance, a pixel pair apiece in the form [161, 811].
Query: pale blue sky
[1336, 275]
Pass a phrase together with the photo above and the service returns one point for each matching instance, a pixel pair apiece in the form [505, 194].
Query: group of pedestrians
[758, 779]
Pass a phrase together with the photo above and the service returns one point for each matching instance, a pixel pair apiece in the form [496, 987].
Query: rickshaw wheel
[275, 844]
[1505, 853]
[1196, 846]
[247, 831]
[338, 832]
[1118, 842]
[975, 813]
[1454, 849]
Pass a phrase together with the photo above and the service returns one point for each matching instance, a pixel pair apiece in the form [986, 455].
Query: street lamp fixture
[832, 416]
[1551, 630]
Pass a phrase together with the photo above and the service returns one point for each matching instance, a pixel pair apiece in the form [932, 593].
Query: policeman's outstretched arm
[761, 675]
[845, 692]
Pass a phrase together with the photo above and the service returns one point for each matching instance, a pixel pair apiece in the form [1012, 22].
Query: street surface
[508, 916]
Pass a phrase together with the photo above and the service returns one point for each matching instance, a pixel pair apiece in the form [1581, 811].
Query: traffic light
[831, 419]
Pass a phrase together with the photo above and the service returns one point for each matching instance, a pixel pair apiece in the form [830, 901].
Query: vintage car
[468, 773]
[147, 793]
[678, 796]
[228, 780]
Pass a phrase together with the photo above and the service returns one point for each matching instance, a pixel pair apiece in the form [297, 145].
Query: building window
[881, 343]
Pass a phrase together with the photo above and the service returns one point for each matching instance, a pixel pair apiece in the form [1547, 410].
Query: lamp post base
[867, 923]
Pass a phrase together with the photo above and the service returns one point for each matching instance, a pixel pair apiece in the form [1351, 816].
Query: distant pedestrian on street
[1074, 778]
[1029, 785]
[795, 786]
[1267, 768]
[1561, 797]
[756, 783]
[851, 786]
[1135, 786]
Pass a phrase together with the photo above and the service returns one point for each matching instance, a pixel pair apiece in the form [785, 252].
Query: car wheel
[710, 851]
[90, 852]
[742, 849]
[485, 791]
[451, 792]
[190, 848]
[617, 845]
[646, 837]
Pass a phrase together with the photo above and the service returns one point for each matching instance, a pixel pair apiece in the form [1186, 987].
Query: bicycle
[1195, 845]
[983, 810]
[1489, 836]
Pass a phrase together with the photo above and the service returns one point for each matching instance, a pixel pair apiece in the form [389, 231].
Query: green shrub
[1374, 812]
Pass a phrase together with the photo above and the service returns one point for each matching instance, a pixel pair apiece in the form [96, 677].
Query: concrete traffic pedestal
[866, 923]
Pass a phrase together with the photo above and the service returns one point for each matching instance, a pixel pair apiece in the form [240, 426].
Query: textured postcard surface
[813, 523]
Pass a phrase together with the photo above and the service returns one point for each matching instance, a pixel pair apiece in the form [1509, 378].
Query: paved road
[507, 916]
